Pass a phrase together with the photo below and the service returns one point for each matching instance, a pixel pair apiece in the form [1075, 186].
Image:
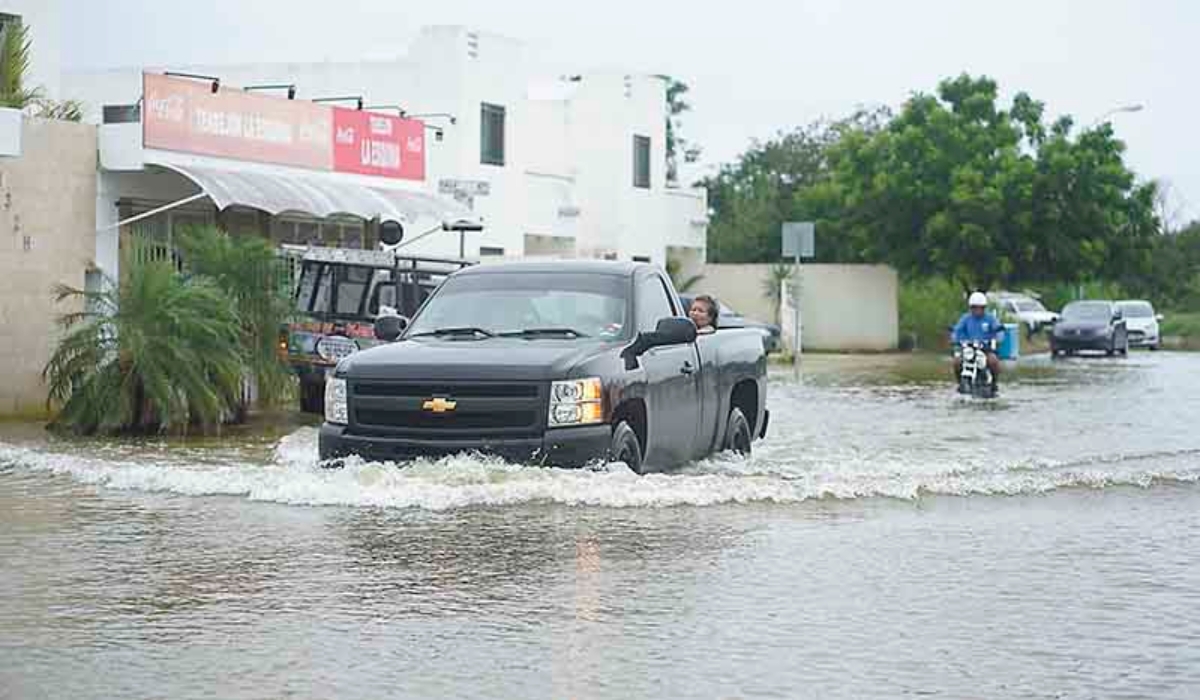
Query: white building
[574, 166]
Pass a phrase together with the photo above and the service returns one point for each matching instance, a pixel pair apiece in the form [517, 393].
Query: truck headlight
[576, 402]
[335, 401]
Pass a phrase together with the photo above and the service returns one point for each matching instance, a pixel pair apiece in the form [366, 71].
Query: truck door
[672, 381]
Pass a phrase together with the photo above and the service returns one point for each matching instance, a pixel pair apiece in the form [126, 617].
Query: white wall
[844, 307]
[47, 237]
[44, 18]
[567, 143]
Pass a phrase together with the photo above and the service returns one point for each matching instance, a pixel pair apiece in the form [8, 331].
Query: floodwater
[888, 540]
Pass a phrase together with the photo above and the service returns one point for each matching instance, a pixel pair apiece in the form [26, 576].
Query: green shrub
[1181, 324]
[927, 308]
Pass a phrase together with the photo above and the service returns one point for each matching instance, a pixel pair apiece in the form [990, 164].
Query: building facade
[564, 167]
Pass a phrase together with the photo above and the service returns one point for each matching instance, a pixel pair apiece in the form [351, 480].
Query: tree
[1173, 280]
[1168, 207]
[784, 179]
[956, 186]
[249, 273]
[676, 144]
[156, 352]
[773, 287]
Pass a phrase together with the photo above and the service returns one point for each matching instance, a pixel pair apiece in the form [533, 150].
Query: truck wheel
[625, 447]
[737, 433]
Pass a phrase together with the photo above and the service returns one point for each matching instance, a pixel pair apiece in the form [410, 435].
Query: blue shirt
[983, 328]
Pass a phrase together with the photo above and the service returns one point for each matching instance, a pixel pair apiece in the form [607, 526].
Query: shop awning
[317, 196]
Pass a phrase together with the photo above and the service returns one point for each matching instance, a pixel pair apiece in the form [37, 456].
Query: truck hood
[475, 359]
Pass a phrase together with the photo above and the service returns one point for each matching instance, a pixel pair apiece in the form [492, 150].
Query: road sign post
[798, 242]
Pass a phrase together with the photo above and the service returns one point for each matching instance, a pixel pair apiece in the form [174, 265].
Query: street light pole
[1124, 109]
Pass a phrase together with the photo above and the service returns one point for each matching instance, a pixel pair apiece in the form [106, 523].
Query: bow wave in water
[889, 429]
[292, 476]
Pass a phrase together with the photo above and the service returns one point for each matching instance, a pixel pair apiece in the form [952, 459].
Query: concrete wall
[843, 307]
[568, 168]
[47, 237]
[44, 19]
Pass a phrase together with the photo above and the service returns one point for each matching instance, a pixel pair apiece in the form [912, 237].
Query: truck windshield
[589, 305]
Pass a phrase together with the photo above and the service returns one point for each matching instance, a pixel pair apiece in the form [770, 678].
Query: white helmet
[977, 299]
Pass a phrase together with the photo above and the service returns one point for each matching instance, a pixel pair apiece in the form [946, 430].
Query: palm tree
[674, 268]
[157, 352]
[773, 286]
[249, 272]
[14, 65]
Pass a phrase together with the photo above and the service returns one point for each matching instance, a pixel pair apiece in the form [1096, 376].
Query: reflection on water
[181, 569]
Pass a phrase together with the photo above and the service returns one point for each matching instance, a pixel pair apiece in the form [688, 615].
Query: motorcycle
[976, 378]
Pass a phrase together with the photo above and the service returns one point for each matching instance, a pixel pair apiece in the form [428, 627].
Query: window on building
[653, 303]
[491, 134]
[641, 162]
[122, 114]
[486, 251]
[641, 258]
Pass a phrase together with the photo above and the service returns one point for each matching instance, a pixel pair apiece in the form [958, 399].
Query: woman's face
[700, 313]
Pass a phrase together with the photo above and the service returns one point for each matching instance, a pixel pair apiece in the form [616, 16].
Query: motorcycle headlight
[576, 402]
[336, 410]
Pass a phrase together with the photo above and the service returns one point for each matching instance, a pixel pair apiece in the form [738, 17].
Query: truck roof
[615, 268]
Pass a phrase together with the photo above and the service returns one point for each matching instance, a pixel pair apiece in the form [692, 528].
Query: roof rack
[364, 258]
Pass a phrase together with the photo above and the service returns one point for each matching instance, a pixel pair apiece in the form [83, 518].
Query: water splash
[291, 475]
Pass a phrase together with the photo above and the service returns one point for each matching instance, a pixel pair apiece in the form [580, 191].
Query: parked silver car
[1142, 322]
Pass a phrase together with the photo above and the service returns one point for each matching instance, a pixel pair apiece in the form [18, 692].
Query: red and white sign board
[186, 116]
[378, 144]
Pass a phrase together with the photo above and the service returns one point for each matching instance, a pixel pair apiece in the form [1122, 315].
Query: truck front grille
[419, 410]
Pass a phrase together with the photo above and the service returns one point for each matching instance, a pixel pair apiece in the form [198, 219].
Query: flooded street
[887, 540]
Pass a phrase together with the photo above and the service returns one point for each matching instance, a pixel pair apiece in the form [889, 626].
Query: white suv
[1025, 310]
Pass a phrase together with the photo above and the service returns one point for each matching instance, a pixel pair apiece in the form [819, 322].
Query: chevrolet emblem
[439, 405]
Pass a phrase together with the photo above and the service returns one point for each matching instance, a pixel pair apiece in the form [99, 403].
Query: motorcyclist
[977, 325]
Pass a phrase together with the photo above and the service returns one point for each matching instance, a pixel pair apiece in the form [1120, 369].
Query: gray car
[1090, 325]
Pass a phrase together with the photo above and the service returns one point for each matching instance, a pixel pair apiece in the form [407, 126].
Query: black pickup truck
[564, 363]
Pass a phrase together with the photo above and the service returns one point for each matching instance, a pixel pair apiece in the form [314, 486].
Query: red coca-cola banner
[378, 144]
[186, 116]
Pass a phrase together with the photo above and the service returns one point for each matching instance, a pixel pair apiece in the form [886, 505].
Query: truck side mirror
[674, 331]
[388, 328]
[668, 331]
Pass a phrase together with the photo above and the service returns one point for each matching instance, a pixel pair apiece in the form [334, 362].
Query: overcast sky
[755, 67]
